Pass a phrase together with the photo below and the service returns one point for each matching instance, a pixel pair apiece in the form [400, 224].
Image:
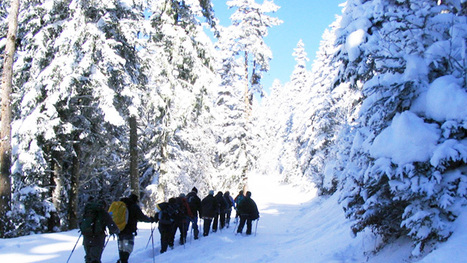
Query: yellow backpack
[119, 213]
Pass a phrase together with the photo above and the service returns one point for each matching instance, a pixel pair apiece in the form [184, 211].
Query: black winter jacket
[248, 207]
[209, 206]
[134, 215]
[195, 203]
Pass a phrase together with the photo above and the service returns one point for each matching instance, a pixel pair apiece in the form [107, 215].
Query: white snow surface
[294, 226]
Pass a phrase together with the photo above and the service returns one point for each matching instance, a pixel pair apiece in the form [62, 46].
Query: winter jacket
[195, 203]
[209, 207]
[248, 207]
[134, 215]
[222, 205]
[230, 202]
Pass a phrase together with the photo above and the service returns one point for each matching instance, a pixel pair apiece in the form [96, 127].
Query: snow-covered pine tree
[244, 57]
[249, 27]
[292, 97]
[407, 161]
[176, 109]
[76, 59]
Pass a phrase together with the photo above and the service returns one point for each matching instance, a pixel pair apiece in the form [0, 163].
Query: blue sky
[302, 19]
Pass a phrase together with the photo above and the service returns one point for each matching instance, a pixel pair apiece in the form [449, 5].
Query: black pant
[207, 225]
[227, 217]
[166, 236]
[182, 226]
[248, 220]
[93, 247]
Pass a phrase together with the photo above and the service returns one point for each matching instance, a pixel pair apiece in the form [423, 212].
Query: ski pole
[256, 229]
[73, 248]
[236, 224]
[152, 240]
[184, 234]
[151, 236]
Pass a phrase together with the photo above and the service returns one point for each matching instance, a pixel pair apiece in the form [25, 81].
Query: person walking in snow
[228, 210]
[209, 208]
[195, 206]
[248, 212]
[165, 216]
[219, 219]
[126, 238]
[92, 226]
[238, 199]
[183, 218]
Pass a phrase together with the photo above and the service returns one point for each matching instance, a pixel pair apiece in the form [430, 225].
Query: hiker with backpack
[182, 220]
[165, 215]
[94, 222]
[238, 199]
[209, 208]
[228, 210]
[219, 219]
[195, 206]
[126, 238]
[248, 212]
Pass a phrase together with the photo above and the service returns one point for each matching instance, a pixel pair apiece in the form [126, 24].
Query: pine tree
[178, 58]
[80, 59]
[392, 55]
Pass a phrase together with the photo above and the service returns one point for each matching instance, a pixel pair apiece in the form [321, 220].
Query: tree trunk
[247, 89]
[134, 178]
[73, 202]
[56, 182]
[5, 132]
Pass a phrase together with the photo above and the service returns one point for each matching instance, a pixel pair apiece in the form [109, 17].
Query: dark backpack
[93, 221]
[167, 213]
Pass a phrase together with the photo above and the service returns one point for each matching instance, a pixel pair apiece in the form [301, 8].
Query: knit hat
[211, 192]
[194, 190]
[182, 195]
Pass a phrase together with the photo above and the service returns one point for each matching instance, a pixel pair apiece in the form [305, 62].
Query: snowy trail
[294, 227]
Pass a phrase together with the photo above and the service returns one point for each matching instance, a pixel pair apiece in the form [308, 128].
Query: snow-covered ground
[294, 227]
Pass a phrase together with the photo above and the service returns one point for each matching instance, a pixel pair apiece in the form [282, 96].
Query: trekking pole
[184, 234]
[256, 229]
[73, 248]
[152, 240]
[236, 224]
[151, 236]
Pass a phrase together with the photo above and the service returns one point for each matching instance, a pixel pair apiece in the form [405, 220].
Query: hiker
[228, 210]
[92, 226]
[248, 212]
[209, 208]
[238, 199]
[184, 215]
[195, 206]
[165, 215]
[126, 238]
[219, 219]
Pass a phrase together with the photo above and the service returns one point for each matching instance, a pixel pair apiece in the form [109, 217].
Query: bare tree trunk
[73, 202]
[247, 89]
[56, 182]
[5, 133]
[134, 178]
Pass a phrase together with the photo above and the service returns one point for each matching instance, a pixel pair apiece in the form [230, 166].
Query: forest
[112, 97]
